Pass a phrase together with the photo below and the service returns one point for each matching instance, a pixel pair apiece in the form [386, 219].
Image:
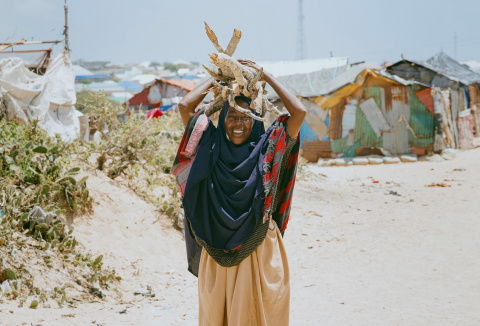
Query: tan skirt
[255, 292]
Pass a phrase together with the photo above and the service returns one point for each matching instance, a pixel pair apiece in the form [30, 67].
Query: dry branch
[237, 34]
[213, 38]
[233, 79]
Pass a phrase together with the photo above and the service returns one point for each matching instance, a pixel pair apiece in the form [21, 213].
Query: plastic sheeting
[50, 98]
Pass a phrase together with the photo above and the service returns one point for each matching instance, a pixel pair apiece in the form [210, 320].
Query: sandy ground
[367, 245]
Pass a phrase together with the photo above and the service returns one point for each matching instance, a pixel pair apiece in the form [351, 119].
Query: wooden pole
[67, 47]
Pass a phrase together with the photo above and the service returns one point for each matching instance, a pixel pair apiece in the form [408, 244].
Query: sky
[133, 31]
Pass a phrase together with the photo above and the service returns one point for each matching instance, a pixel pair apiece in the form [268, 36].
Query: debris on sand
[438, 184]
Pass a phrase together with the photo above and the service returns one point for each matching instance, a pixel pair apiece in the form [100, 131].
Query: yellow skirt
[255, 292]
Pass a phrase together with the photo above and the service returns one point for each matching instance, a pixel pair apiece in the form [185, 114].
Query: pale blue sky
[124, 31]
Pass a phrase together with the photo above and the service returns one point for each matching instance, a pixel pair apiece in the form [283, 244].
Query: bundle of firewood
[232, 79]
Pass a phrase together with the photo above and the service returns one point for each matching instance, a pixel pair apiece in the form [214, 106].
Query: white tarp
[50, 98]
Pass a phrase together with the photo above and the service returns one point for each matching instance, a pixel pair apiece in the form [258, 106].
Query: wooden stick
[237, 34]
[257, 104]
[215, 74]
[252, 85]
[211, 35]
[214, 105]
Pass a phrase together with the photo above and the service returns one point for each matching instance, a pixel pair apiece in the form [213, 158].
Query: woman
[237, 182]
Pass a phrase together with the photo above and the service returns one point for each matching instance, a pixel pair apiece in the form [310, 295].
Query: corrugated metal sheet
[350, 152]
[312, 150]
[185, 84]
[364, 134]
[465, 129]
[426, 98]
[375, 117]
[348, 120]
[336, 116]
[422, 121]
[339, 145]
[455, 106]
[312, 106]
[315, 118]
[397, 114]
[473, 91]
[316, 124]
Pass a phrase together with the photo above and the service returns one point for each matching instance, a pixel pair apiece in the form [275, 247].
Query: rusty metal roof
[182, 83]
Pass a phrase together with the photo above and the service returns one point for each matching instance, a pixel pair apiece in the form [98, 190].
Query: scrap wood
[439, 184]
[233, 79]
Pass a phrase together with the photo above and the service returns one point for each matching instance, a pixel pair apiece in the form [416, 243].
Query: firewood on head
[214, 74]
[224, 91]
[237, 34]
[215, 105]
[227, 63]
[222, 68]
[270, 107]
[257, 103]
[211, 35]
[252, 84]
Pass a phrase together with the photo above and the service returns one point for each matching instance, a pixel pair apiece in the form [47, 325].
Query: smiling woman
[237, 192]
[238, 125]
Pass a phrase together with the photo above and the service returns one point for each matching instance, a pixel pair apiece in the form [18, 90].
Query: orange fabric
[255, 292]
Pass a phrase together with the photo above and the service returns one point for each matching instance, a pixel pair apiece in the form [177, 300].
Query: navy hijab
[224, 194]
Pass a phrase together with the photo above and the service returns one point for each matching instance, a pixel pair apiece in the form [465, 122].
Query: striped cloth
[188, 147]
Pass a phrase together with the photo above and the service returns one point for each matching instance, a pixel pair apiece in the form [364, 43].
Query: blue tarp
[164, 108]
[98, 76]
[130, 86]
[306, 133]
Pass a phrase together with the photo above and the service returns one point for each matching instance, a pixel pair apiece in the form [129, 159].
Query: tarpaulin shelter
[153, 95]
[49, 99]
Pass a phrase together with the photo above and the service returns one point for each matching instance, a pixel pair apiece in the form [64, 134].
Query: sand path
[367, 245]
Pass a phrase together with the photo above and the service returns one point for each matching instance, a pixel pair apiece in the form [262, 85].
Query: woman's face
[238, 125]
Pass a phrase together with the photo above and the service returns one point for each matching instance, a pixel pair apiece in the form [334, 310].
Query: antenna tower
[300, 37]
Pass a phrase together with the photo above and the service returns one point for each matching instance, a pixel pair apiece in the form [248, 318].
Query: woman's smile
[238, 125]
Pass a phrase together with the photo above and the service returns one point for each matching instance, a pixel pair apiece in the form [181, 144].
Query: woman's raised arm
[190, 101]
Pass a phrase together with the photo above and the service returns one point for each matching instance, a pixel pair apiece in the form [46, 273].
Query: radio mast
[300, 37]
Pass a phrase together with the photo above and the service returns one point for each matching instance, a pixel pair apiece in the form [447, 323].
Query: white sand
[358, 254]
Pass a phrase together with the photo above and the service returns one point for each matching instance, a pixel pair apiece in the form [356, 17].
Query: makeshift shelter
[370, 110]
[307, 86]
[448, 98]
[160, 92]
[49, 99]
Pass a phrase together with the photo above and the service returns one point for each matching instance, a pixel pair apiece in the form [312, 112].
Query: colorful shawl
[279, 168]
